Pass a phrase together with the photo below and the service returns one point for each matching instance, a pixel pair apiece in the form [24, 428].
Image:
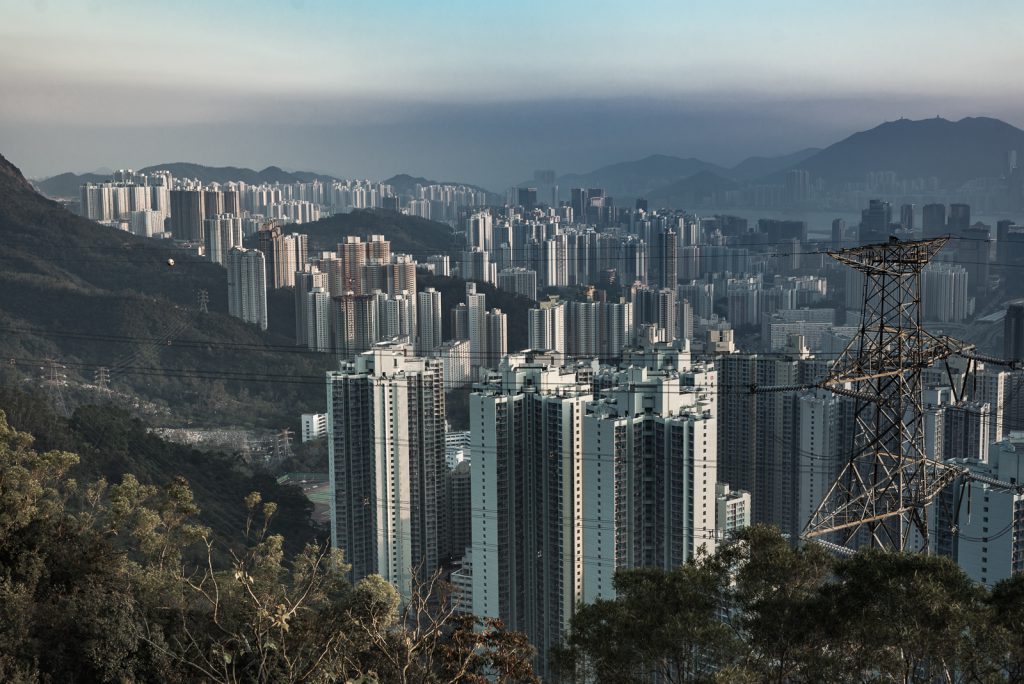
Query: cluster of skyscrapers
[345, 300]
[627, 433]
[159, 204]
[575, 469]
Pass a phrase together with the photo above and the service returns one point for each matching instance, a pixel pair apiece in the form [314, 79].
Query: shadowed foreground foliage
[762, 611]
[122, 582]
[110, 443]
[96, 585]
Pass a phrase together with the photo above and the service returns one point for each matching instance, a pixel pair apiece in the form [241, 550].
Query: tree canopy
[109, 575]
[120, 582]
[760, 610]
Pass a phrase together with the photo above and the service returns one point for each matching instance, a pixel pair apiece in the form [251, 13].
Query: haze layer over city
[457, 342]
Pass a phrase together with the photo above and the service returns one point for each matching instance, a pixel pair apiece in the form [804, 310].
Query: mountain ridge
[650, 176]
[952, 151]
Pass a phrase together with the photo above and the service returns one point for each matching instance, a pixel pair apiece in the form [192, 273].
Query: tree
[427, 640]
[63, 609]
[1006, 639]
[776, 603]
[121, 583]
[662, 624]
[761, 610]
[903, 618]
[260, 620]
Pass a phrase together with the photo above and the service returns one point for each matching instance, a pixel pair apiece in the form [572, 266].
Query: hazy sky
[484, 91]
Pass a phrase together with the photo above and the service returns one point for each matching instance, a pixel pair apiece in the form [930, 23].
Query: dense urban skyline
[472, 94]
[467, 342]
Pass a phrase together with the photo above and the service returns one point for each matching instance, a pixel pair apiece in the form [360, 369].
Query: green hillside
[111, 444]
[453, 292]
[408, 234]
[88, 296]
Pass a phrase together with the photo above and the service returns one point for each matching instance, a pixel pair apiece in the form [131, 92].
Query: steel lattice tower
[882, 494]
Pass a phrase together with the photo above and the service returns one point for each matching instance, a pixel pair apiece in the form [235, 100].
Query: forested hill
[79, 296]
[408, 234]
[111, 444]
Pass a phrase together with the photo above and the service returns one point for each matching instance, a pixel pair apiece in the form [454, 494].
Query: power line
[457, 259]
[709, 390]
[169, 341]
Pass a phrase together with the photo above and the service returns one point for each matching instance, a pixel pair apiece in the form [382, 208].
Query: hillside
[65, 185]
[953, 151]
[753, 168]
[660, 175]
[408, 234]
[88, 296]
[112, 444]
[404, 184]
[453, 292]
[637, 178]
[700, 189]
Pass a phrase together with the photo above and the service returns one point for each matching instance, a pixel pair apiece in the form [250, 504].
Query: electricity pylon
[55, 379]
[883, 494]
[284, 443]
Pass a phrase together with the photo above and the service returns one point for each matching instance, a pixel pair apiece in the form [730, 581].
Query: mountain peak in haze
[952, 151]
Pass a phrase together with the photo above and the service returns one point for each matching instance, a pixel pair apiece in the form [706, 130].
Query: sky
[484, 92]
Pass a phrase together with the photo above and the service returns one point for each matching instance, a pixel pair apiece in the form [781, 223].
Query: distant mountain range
[952, 151]
[68, 184]
[659, 174]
